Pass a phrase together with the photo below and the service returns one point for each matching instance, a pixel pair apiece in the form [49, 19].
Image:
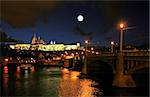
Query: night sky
[58, 21]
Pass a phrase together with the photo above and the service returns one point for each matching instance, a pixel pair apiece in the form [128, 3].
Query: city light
[82, 53]
[74, 49]
[6, 60]
[97, 53]
[84, 49]
[18, 69]
[72, 54]
[78, 44]
[121, 25]
[56, 58]
[86, 41]
[92, 48]
[5, 69]
[32, 69]
[65, 70]
[112, 42]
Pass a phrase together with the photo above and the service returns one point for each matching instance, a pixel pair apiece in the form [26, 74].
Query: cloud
[25, 13]
[81, 32]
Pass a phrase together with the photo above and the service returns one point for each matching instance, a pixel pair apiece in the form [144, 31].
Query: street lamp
[112, 46]
[123, 27]
[84, 71]
[86, 43]
[121, 36]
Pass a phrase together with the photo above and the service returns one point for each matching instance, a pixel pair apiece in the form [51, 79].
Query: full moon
[80, 18]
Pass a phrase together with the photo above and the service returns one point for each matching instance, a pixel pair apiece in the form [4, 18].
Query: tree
[5, 38]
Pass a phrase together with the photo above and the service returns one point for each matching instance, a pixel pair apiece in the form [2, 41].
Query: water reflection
[72, 86]
[5, 84]
[18, 69]
[5, 69]
[55, 82]
[26, 74]
[87, 90]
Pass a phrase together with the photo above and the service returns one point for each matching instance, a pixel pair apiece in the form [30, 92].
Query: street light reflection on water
[72, 86]
[49, 81]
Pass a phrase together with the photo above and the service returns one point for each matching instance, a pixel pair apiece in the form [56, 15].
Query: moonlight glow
[80, 18]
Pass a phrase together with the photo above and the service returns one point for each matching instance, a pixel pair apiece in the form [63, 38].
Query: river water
[52, 82]
[58, 82]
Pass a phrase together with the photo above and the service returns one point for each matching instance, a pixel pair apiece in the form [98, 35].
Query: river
[50, 81]
[57, 82]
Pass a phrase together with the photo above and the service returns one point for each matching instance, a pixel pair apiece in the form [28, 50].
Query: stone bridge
[123, 65]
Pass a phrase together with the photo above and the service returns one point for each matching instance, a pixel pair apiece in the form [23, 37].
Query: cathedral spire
[34, 35]
[34, 39]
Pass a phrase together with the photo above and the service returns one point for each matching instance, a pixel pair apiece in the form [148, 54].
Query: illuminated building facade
[39, 44]
[36, 40]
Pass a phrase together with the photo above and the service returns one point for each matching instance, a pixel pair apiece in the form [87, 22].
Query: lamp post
[112, 46]
[121, 80]
[86, 43]
[84, 70]
[121, 36]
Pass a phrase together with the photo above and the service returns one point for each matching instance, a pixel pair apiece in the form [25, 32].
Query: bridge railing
[140, 53]
[105, 54]
[132, 60]
[135, 61]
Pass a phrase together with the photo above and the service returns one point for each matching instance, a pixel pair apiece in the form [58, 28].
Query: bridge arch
[101, 71]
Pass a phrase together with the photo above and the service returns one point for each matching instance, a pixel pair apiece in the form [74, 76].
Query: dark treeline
[4, 38]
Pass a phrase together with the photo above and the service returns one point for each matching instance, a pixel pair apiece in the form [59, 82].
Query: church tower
[34, 39]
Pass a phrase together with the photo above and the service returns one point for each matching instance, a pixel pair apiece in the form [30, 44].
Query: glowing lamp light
[121, 25]
[86, 41]
[6, 60]
[93, 52]
[76, 53]
[83, 49]
[82, 52]
[97, 53]
[112, 42]
[78, 44]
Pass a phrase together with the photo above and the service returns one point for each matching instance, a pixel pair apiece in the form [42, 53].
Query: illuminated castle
[39, 44]
[36, 40]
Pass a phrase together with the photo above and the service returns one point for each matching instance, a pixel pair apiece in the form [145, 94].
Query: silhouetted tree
[5, 38]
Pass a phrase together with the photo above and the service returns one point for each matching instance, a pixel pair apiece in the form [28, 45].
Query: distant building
[36, 40]
[39, 44]
[130, 48]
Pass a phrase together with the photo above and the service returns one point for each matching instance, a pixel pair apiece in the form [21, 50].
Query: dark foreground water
[56, 82]
[52, 81]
